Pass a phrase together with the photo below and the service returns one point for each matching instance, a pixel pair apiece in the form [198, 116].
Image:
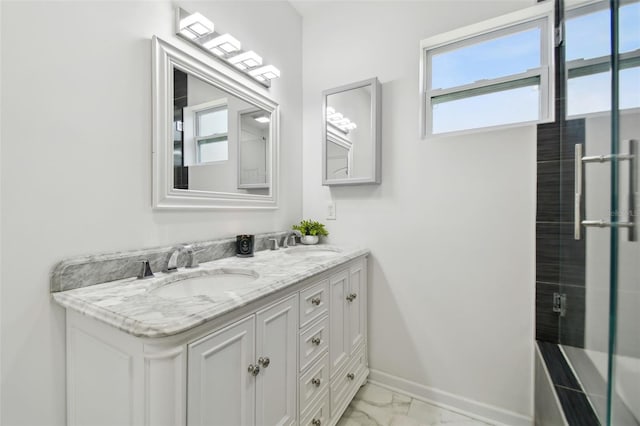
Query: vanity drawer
[314, 382]
[314, 302]
[347, 380]
[314, 342]
[319, 414]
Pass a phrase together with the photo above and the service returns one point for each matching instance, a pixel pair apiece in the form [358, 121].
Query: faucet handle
[145, 270]
[292, 240]
[192, 261]
[273, 244]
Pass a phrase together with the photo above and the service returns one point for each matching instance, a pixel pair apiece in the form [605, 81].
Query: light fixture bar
[268, 72]
[340, 121]
[197, 29]
[195, 25]
[246, 60]
[222, 45]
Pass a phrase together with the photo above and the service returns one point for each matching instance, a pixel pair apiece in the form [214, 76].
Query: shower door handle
[580, 160]
[577, 192]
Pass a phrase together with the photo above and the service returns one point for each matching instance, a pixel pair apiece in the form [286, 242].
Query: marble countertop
[131, 305]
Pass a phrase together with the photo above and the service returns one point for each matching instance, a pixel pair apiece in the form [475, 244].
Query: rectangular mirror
[351, 134]
[215, 138]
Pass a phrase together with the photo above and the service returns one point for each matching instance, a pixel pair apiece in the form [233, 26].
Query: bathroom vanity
[285, 345]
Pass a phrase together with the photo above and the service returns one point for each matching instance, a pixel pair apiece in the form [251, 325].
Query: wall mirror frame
[356, 153]
[165, 59]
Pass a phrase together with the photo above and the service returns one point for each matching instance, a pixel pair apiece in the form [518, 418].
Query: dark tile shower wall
[560, 260]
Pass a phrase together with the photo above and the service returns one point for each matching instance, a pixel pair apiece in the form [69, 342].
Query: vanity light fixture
[223, 45]
[262, 119]
[246, 60]
[340, 121]
[194, 26]
[197, 29]
[268, 72]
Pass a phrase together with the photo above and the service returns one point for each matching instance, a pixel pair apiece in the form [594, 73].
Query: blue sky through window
[493, 109]
[499, 57]
[586, 37]
[589, 36]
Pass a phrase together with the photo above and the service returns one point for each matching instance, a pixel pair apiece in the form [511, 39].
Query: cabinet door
[356, 301]
[276, 384]
[339, 317]
[221, 391]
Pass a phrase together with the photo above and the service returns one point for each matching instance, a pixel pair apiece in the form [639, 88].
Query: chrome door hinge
[560, 303]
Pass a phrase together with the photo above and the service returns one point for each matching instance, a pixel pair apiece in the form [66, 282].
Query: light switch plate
[331, 210]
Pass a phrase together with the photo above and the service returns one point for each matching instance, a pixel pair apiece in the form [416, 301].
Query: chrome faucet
[172, 258]
[290, 234]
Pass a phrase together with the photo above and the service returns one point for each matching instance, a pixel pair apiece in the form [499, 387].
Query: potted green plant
[311, 231]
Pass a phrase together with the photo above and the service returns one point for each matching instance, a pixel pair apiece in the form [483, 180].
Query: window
[588, 46]
[206, 128]
[473, 77]
[211, 135]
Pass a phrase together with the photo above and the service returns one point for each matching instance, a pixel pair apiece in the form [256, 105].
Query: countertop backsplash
[86, 271]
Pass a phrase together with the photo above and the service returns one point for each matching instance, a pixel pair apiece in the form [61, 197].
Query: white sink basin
[313, 251]
[216, 283]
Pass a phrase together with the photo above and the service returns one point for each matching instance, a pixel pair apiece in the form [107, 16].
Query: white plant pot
[309, 239]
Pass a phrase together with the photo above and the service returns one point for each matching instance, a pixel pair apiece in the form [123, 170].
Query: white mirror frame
[376, 132]
[166, 57]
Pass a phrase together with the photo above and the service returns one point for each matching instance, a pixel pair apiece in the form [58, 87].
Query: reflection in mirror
[351, 134]
[217, 147]
[215, 137]
[254, 141]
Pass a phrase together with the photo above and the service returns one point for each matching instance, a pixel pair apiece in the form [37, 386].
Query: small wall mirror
[351, 134]
[215, 138]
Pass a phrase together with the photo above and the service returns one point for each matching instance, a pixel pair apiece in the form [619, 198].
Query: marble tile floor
[377, 406]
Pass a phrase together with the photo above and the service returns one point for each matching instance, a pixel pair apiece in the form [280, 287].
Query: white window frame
[598, 65]
[541, 16]
[190, 128]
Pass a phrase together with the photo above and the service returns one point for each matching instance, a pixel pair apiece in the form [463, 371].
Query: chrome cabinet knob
[351, 297]
[316, 422]
[351, 376]
[316, 381]
[254, 369]
[264, 361]
[316, 341]
[316, 301]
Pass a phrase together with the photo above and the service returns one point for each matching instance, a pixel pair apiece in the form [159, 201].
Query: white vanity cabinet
[245, 374]
[295, 357]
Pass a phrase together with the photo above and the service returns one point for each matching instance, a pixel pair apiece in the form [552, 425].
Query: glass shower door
[624, 323]
[600, 330]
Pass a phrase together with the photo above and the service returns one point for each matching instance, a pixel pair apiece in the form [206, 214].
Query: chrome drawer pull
[316, 341]
[316, 301]
[264, 361]
[316, 382]
[351, 376]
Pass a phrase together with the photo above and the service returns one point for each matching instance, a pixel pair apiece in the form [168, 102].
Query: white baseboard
[449, 401]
